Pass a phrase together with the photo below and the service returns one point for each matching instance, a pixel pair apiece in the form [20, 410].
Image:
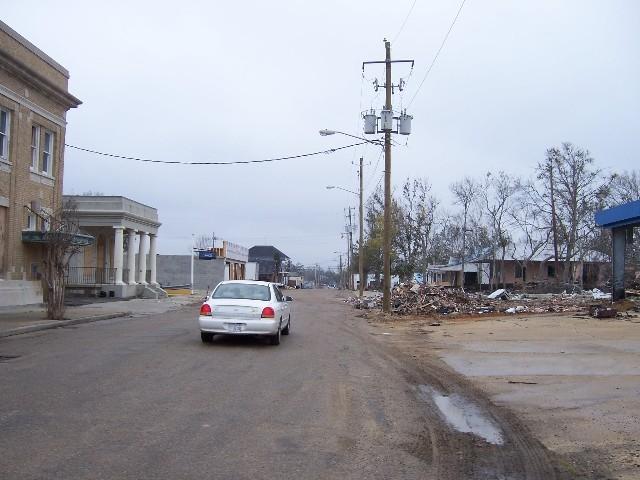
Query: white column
[152, 259]
[142, 258]
[131, 256]
[118, 246]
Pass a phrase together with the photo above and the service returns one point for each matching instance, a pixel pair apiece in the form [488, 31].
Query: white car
[245, 307]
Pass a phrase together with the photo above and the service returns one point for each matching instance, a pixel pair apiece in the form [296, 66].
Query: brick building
[34, 100]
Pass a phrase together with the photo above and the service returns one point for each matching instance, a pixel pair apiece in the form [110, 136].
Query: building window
[35, 146]
[5, 122]
[47, 153]
[518, 270]
[551, 271]
[46, 219]
[31, 221]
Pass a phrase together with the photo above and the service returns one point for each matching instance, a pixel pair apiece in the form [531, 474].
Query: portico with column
[126, 265]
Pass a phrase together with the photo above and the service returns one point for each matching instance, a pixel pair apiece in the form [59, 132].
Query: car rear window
[242, 291]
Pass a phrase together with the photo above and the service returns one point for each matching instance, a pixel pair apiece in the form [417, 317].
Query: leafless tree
[405, 240]
[61, 242]
[498, 200]
[204, 242]
[532, 234]
[425, 225]
[570, 186]
[465, 194]
[624, 187]
[374, 221]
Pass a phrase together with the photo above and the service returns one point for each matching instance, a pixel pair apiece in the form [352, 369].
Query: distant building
[265, 256]
[225, 261]
[252, 271]
[34, 100]
[235, 258]
[519, 270]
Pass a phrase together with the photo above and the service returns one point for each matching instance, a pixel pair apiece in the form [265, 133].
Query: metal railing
[90, 276]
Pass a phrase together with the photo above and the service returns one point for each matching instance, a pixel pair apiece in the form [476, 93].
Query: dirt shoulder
[574, 381]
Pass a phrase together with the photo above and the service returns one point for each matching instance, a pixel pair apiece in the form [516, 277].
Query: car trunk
[248, 310]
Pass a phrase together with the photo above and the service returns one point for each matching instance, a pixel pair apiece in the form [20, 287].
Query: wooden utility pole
[387, 129]
[553, 221]
[386, 294]
[341, 277]
[361, 240]
[350, 279]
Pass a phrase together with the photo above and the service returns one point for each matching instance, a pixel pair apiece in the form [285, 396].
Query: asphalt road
[143, 398]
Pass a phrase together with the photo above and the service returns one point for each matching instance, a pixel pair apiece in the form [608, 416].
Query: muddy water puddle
[463, 415]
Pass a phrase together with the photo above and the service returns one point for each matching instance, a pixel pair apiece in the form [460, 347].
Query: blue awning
[625, 215]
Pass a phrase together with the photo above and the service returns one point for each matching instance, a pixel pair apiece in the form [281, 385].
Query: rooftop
[627, 214]
[33, 49]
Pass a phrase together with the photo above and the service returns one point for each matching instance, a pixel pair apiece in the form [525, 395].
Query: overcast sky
[245, 80]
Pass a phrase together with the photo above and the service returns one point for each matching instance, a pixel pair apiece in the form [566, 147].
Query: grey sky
[224, 81]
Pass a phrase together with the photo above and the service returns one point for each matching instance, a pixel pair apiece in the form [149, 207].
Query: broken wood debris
[428, 300]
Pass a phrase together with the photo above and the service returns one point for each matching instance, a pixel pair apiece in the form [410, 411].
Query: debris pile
[602, 311]
[425, 300]
[367, 302]
[416, 299]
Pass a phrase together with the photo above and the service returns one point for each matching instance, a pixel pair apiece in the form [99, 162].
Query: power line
[375, 171]
[404, 23]
[239, 162]
[444, 40]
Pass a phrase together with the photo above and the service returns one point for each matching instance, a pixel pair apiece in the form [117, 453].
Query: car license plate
[235, 327]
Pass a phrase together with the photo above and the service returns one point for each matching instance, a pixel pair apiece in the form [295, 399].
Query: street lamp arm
[326, 132]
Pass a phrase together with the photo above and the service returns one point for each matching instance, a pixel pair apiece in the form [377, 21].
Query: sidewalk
[32, 319]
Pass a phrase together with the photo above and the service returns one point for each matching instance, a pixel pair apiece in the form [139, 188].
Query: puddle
[464, 416]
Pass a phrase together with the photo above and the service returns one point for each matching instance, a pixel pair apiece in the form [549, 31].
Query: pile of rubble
[416, 299]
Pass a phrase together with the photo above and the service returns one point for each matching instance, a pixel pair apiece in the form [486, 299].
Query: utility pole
[553, 221]
[386, 295]
[350, 279]
[386, 121]
[341, 278]
[361, 240]
[193, 248]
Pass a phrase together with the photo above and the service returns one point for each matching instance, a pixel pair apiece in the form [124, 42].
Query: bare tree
[532, 235]
[571, 187]
[498, 200]
[373, 234]
[61, 242]
[204, 242]
[405, 243]
[624, 187]
[425, 225]
[465, 193]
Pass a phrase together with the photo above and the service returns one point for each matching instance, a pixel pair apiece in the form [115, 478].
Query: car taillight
[268, 312]
[205, 310]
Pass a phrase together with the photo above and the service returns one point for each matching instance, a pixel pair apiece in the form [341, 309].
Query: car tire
[275, 339]
[287, 329]
[206, 337]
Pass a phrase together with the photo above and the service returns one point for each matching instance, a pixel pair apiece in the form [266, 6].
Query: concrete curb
[62, 323]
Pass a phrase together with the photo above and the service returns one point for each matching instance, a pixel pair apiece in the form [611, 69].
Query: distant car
[246, 307]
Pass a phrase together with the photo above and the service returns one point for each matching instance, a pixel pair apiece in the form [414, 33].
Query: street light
[361, 242]
[326, 132]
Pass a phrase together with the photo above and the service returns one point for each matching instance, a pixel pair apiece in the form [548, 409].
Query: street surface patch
[464, 416]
